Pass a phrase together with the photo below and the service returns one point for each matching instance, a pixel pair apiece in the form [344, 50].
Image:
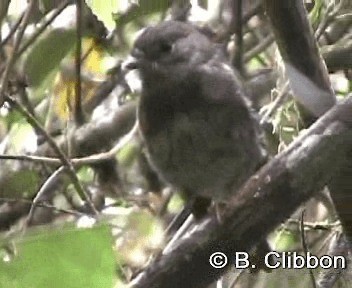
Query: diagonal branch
[298, 48]
[266, 199]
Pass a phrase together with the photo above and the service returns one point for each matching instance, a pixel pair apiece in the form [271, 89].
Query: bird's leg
[179, 219]
[194, 210]
[179, 233]
[219, 208]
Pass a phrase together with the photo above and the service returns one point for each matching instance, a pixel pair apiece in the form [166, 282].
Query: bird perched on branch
[200, 134]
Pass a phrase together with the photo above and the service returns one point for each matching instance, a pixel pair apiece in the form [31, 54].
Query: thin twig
[237, 21]
[33, 158]
[265, 43]
[11, 61]
[92, 159]
[41, 193]
[276, 104]
[42, 28]
[44, 205]
[255, 9]
[305, 249]
[12, 31]
[64, 160]
[347, 16]
[329, 15]
[77, 109]
[315, 225]
[23, 95]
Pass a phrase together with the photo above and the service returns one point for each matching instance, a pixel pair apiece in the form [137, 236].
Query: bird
[200, 133]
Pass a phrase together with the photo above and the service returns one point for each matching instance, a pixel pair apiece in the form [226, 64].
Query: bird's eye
[165, 47]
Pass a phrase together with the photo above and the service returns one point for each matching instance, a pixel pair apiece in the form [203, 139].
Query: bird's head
[169, 46]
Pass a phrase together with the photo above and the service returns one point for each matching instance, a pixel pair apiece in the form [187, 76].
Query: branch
[64, 159]
[77, 109]
[287, 181]
[338, 55]
[88, 160]
[304, 67]
[310, 83]
[11, 61]
[89, 139]
[43, 26]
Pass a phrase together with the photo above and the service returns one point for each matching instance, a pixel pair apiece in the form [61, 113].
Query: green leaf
[47, 5]
[285, 240]
[86, 174]
[142, 8]
[104, 11]
[128, 154]
[24, 183]
[317, 13]
[70, 258]
[21, 136]
[47, 53]
[4, 6]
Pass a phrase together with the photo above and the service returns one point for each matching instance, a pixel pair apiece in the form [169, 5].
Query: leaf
[22, 137]
[46, 6]
[92, 73]
[141, 8]
[47, 54]
[285, 240]
[62, 258]
[128, 154]
[23, 183]
[93, 54]
[317, 13]
[104, 11]
[4, 6]
[142, 234]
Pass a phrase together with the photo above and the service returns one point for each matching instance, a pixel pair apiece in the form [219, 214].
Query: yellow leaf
[93, 55]
[91, 76]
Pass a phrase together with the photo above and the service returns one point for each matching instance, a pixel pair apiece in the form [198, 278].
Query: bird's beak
[133, 61]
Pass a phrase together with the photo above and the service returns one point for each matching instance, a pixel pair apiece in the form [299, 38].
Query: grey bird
[200, 133]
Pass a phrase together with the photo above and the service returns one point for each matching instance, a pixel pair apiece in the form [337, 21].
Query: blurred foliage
[65, 83]
[140, 9]
[286, 240]
[287, 123]
[23, 183]
[4, 6]
[104, 10]
[68, 257]
[54, 47]
[317, 12]
[21, 137]
[143, 233]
